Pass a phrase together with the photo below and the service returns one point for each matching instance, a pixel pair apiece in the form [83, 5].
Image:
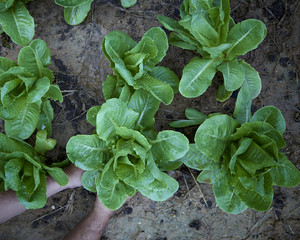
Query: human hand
[74, 174]
[100, 209]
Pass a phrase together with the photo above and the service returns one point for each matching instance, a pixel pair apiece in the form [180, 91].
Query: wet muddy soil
[80, 68]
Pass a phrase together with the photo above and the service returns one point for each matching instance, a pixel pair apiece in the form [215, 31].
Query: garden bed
[80, 68]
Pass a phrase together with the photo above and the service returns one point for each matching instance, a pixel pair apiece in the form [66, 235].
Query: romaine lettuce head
[22, 169]
[134, 66]
[120, 160]
[242, 161]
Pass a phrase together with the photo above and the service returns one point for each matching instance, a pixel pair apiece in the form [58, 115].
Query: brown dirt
[80, 68]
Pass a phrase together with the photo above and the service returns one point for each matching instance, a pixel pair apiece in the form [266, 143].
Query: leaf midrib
[245, 35]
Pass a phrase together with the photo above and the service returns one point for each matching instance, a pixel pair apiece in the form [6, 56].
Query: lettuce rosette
[242, 160]
[23, 169]
[25, 90]
[119, 160]
[134, 66]
[207, 28]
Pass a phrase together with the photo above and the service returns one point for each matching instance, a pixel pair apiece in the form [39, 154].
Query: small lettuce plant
[16, 21]
[25, 90]
[207, 28]
[240, 159]
[75, 11]
[120, 160]
[134, 66]
[23, 169]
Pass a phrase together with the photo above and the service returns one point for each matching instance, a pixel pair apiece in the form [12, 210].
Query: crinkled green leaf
[114, 113]
[233, 74]
[111, 191]
[162, 188]
[12, 173]
[244, 37]
[242, 110]
[34, 200]
[223, 94]
[110, 87]
[255, 158]
[197, 77]
[160, 40]
[26, 122]
[243, 145]
[89, 179]
[169, 146]
[30, 59]
[218, 50]
[195, 159]
[169, 166]
[8, 145]
[285, 174]
[31, 158]
[213, 135]
[58, 175]
[271, 115]
[76, 15]
[42, 51]
[18, 72]
[256, 192]
[88, 152]
[252, 79]
[202, 26]
[167, 76]
[6, 98]
[186, 23]
[54, 93]
[225, 196]
[211, 175]
[225, 6]
[17, 23]
[42, 143]
[61, 164]
[159, 89]
[5, 4]
[91, 115]
[181, 42]
[128, 174]
[193, 114]
[46, 117]
[184, 123]
[12, 111]
[173, 25]
[114, 47]
[145, 46]
[146, 105]
[38, 90]
[6, 64]
[129, 134]
[125, 94]
[263, 128]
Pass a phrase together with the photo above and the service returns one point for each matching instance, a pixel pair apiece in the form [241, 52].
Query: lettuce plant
[75, 11]
[23, 169]
[136, 79]
[207, 28]
[25, 90]
[16, 21]
[241, 160]
[120, 160]
[134, 66]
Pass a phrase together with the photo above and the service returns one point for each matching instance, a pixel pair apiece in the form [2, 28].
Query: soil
[80, 68]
